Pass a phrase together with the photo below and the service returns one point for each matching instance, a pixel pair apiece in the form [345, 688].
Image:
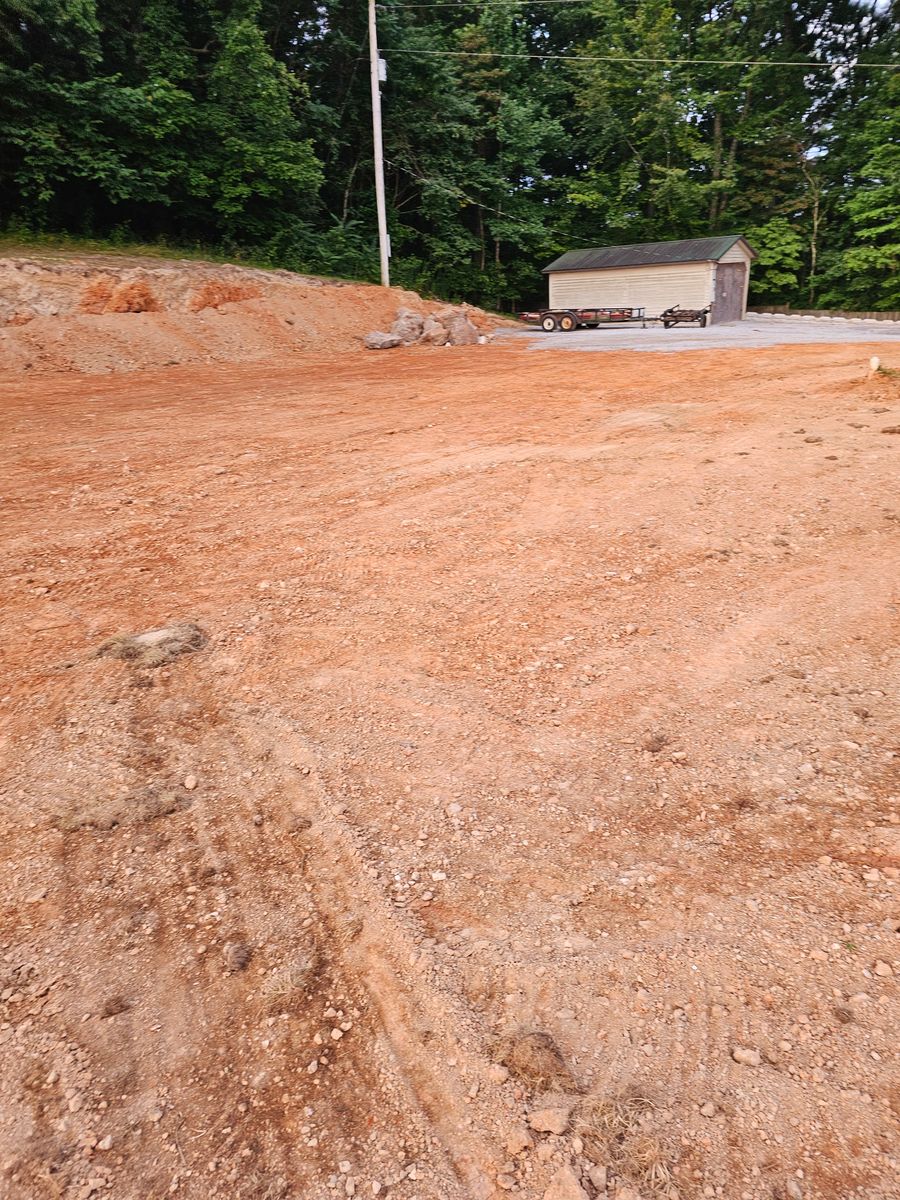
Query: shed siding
[652, 288]
[737, 253]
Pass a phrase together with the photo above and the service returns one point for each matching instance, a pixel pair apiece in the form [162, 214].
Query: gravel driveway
[753, 331]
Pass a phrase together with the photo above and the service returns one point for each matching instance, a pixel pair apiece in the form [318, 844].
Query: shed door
[729, 302]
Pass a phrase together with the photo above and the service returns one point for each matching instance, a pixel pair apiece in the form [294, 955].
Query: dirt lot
[544, 738]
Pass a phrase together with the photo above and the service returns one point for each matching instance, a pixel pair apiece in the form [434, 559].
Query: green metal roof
[646, 254]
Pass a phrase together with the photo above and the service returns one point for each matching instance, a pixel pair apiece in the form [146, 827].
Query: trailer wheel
[702, 321]
[548, 323]
[667, 324]
[567, 323]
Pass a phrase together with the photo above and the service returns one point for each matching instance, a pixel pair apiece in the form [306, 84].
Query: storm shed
[656, 275]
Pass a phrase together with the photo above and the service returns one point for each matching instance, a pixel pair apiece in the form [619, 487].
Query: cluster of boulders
[448, 327]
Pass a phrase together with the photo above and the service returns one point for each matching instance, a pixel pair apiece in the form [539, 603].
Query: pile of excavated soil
[102, 313]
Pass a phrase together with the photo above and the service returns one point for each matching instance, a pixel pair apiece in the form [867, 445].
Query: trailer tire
[667, 324]
[568, 322]
[702, 321]
[549, 323]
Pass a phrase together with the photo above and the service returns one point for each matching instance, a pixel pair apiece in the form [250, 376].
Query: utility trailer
[552, 320]
[676, 315]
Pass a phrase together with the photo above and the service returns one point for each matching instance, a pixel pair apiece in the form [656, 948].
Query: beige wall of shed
[653, 287]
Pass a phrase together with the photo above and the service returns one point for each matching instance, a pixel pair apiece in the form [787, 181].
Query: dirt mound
[107, 313]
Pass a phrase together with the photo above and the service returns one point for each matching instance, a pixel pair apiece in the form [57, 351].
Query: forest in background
[245, 126]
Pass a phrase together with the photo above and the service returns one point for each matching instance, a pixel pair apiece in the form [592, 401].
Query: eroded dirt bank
[553, 695]
[111, 313]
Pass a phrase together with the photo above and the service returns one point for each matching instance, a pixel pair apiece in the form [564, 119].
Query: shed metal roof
[646, 254]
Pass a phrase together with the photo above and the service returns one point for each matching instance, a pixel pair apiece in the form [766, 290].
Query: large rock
[460, 330]
[565, 1185]
[382, 341]
[434, 333]
[408, 326]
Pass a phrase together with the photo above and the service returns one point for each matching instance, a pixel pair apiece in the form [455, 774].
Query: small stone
[812, 439]
[497, 1073]
[793, 1190]
[818, 956]
[345, 1167]
[625, 1192]
[519, 1141]
[746, 1057]
[883, 969]
[506, 1182]
[708, 1109]
[598, 1177]
[552, 1119]
[190, 782]
[565, 1185]
[105, 1143]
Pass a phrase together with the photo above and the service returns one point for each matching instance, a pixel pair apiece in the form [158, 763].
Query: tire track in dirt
[430, 1037]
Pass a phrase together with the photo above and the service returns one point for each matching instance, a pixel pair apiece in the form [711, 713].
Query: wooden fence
[785, 310]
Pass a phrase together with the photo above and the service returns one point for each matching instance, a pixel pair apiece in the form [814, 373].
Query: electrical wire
[671, 62]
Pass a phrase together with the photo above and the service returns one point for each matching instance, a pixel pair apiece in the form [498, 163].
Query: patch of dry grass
[613, 1131]
[155, 647]
[534, 1058]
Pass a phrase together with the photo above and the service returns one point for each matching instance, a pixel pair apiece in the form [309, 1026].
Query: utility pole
[384, 245]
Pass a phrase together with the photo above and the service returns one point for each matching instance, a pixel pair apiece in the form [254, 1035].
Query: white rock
[883, 969]
[746, 1057]
[565, 1185]
[551, 1119]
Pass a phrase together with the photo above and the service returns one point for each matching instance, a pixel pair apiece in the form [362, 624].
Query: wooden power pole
[384, 245]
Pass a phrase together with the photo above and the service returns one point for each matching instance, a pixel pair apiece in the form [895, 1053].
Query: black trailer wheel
[667, 324]
[567, 322]
[703, 321]
[548, 323]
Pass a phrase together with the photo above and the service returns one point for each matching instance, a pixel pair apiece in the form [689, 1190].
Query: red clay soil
[544, 695]
[110, 313]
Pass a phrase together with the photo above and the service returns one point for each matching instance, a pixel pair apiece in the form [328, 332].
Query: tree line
[513, 130]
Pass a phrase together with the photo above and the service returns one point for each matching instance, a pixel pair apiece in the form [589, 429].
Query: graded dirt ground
[542, 734]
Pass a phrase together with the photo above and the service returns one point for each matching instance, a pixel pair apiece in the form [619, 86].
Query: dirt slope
[108, 313]
[537, 697]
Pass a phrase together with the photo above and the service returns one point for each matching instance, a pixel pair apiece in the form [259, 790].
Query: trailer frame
[565, 320]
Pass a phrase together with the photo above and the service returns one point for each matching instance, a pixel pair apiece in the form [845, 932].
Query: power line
[671, 62]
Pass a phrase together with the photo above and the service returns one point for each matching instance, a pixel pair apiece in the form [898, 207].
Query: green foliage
[245, 125]
[776, 274]
[867, 273]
